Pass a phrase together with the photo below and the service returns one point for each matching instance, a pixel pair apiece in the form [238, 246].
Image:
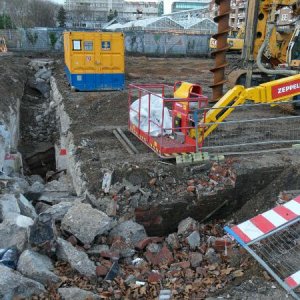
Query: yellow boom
[271, 92]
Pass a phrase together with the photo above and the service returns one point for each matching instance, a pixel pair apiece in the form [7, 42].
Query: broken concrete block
[13, 285]
[13, 231]
[187, 226]
[37, 267]
[195, 259]
[26, 207]
[8, 205]
[131, 231]
[97, 249]
[77, 259]
[42, 231]
[85, 222]
[20, 185]
[173, 241]
[59, 210]
[212, 257]
[76, 293]
[194, 240]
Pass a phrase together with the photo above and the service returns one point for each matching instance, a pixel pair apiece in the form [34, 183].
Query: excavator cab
[3, 47]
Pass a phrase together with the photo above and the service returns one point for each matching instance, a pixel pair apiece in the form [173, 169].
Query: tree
[160, 8]
[6, 22]
[115, 13]
[61, 17]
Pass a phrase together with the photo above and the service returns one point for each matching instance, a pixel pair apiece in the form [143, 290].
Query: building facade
[172, 6]
[92, 11]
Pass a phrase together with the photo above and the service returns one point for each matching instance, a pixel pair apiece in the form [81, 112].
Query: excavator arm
[271, 92]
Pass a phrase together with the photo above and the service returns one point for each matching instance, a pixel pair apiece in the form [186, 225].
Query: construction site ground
[256, 183]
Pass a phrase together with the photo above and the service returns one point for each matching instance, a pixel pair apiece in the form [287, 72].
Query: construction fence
[254, 127]
[136, 42]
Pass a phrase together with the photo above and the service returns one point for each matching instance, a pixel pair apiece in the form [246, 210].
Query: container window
[88, 45]
[76, 45]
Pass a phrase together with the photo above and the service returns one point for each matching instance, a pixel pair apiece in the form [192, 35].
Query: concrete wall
[136, 42]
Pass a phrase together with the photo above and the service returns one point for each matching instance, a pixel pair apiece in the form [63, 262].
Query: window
[88, 45]
[77, 45]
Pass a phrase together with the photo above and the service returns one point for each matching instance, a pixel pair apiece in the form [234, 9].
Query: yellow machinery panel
[95, 60]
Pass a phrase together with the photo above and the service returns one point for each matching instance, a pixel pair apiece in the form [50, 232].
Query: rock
[131, 231]
[35, 178]
[173, 241]
[212, 257]
[57, 197]
[37, 267]
[8, 205]
[187, 226]
[20, 185]
[85, 222]
[77, 259]
[26, 207]
[195, 258]
[163, 257]
[42, 231]
[37, 188]
[73, 293]
[59, 210]
[193, 240]
[13, 231]
[13, 285]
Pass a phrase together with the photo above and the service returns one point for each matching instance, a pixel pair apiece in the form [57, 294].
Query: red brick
[143, 243]
[101, 271]
[220, 244]
[109, 254]
[182, 265]
[154, 277]
[163, 257]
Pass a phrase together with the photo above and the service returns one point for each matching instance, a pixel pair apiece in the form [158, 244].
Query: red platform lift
[177, 105]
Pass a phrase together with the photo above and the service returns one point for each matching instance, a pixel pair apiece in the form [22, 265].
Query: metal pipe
[260, 65]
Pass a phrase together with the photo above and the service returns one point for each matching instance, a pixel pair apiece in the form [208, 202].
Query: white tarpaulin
[156, 114]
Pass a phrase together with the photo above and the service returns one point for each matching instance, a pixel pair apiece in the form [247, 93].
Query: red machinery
[163, 117]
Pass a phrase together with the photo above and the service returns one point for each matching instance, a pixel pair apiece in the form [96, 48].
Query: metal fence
[255, 127]
[273, 239]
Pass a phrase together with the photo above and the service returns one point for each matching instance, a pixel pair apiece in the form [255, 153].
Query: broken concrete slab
[77, 259]
[8, 205]
[85, 222]
[13, 285]
[13, 231]
[59, 210]
[187, 226]
[97, 249]
[72, 293]
[194, 240]
[37, 267]
[26, 207]
[131, 231]
[57, 197]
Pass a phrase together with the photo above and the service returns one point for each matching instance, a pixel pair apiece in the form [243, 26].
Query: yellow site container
[95, 60]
